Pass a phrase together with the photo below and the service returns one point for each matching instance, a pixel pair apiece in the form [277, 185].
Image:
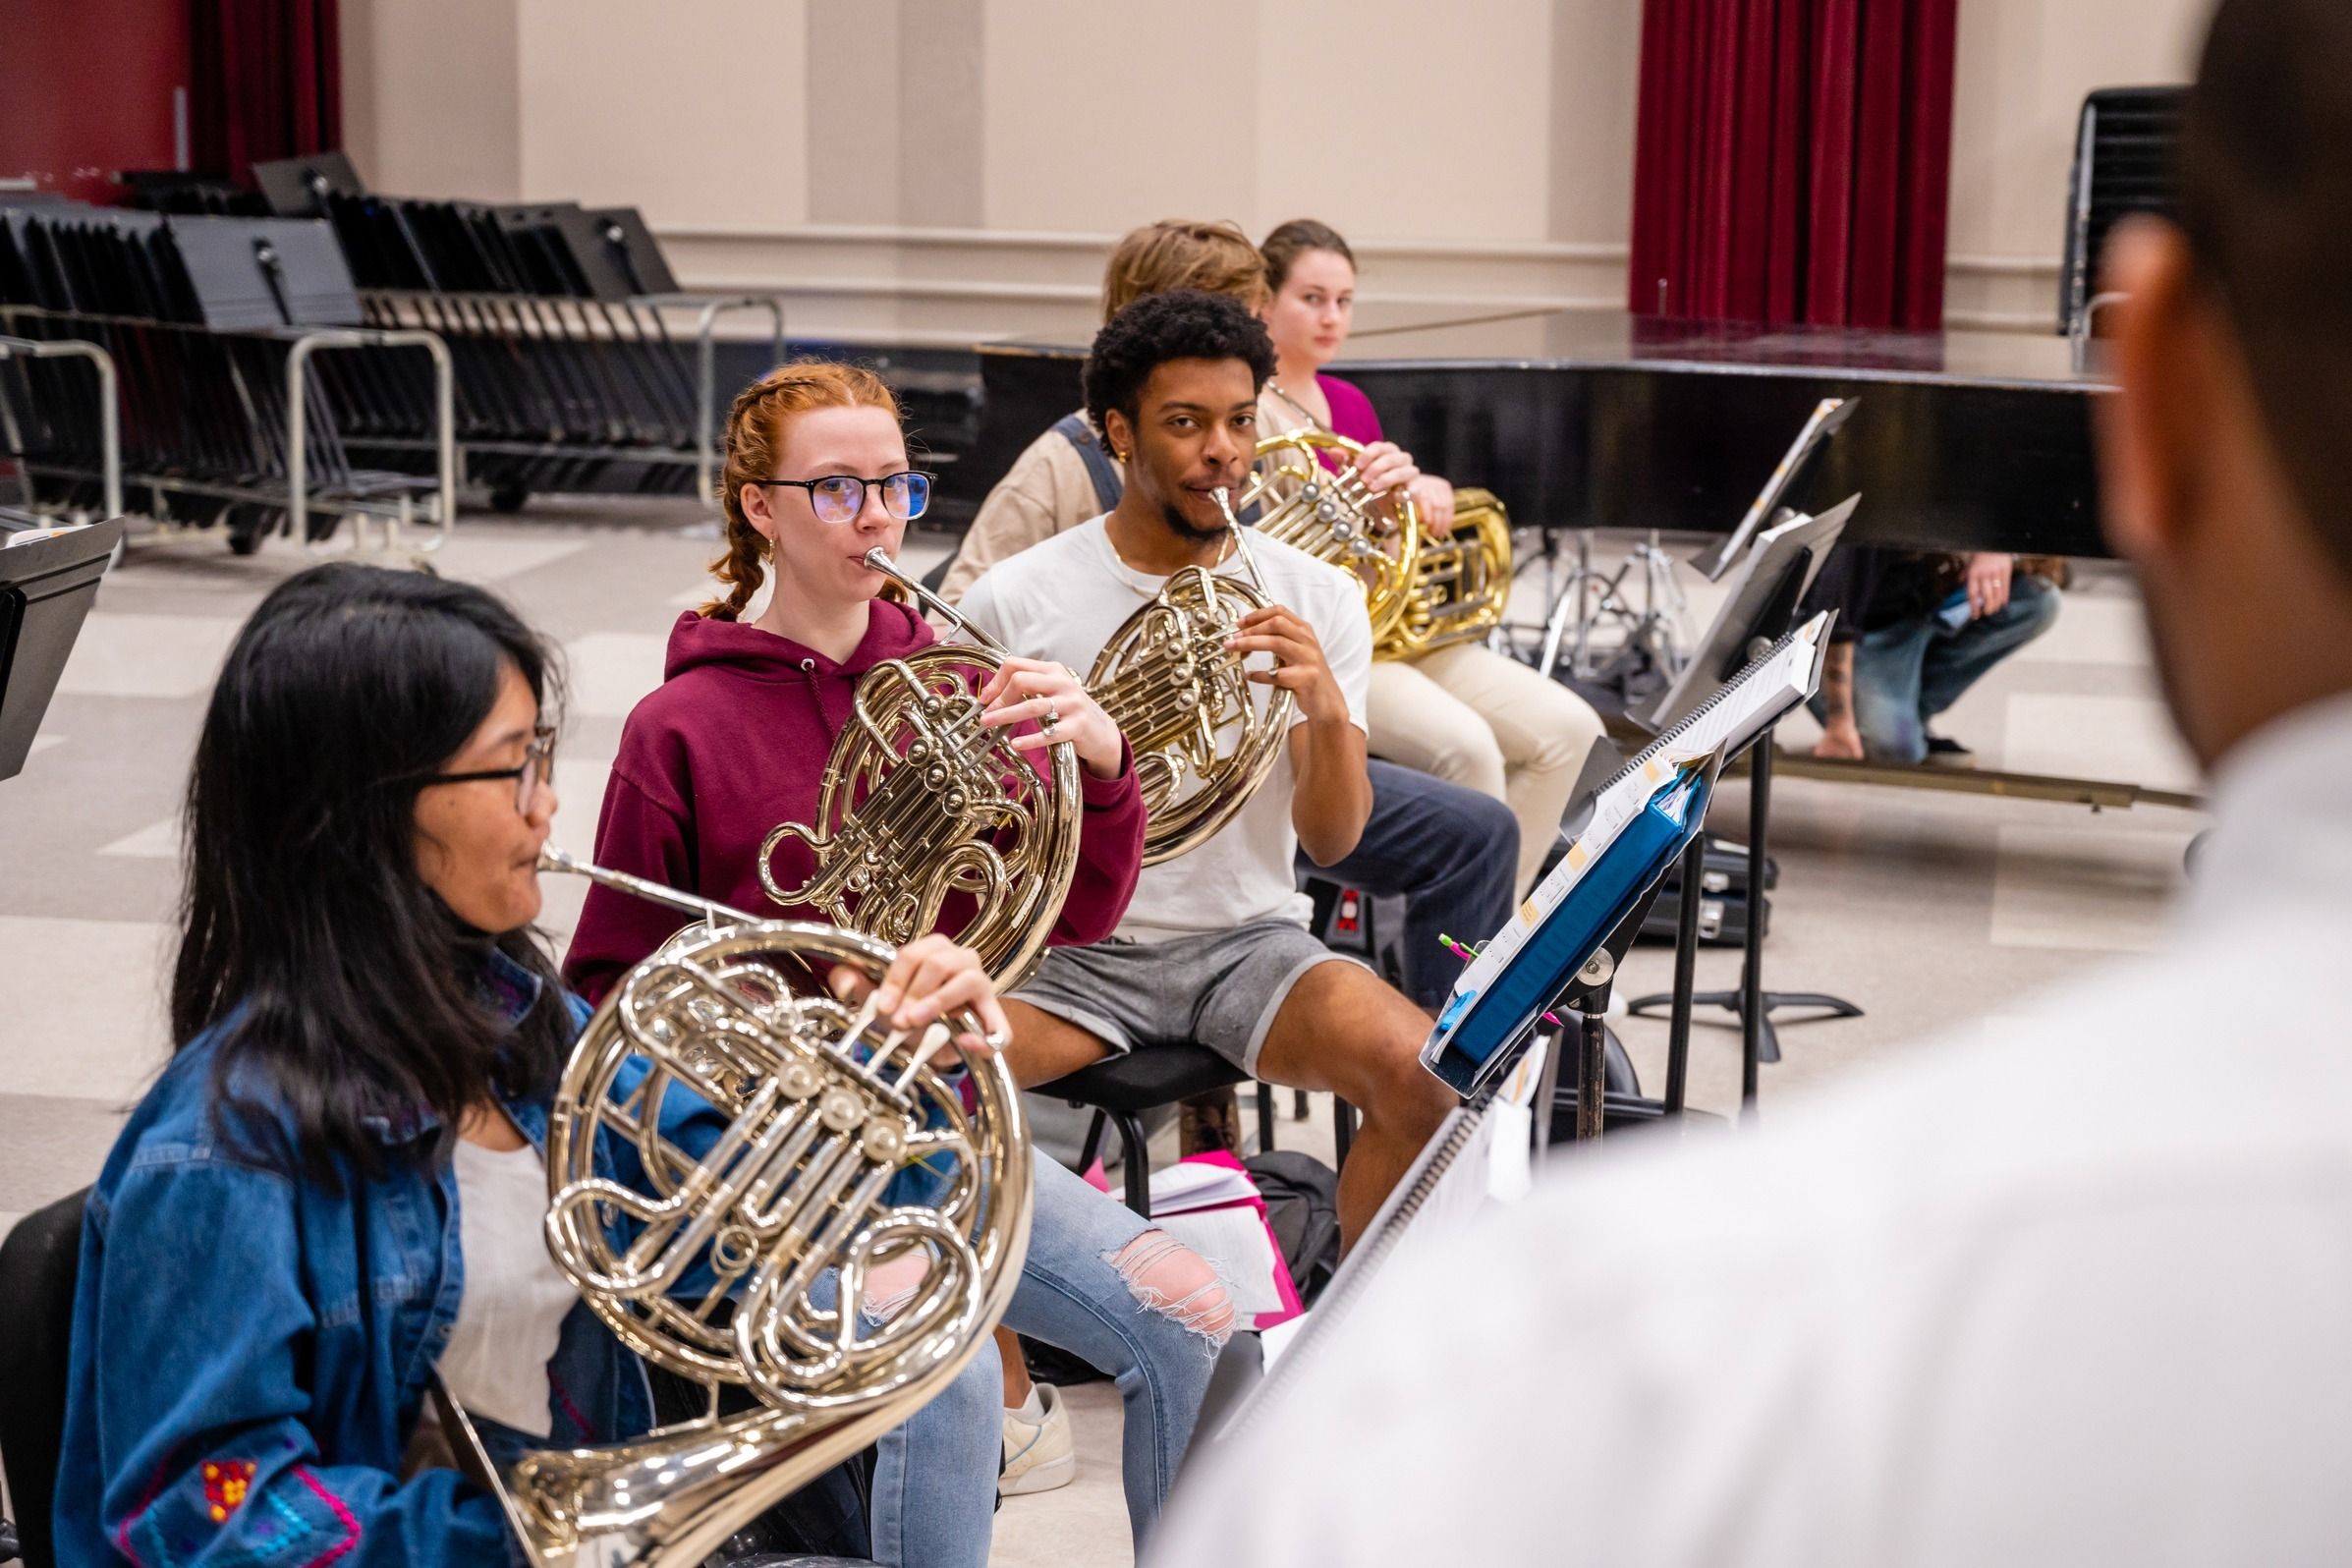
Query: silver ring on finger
[1053, 716]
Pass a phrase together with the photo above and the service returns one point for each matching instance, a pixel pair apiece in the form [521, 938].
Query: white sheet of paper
[1236, 1242]
[1510, 1132]
[1197, 1184]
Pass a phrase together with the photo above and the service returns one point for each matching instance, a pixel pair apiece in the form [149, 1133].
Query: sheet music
[1745, 705]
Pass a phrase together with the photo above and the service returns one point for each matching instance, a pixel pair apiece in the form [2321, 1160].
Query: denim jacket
[251, 1352]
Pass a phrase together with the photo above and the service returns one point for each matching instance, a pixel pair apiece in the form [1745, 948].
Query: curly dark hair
[1180, 324]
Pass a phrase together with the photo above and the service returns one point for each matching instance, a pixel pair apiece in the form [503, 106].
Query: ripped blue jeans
[1102, 1285]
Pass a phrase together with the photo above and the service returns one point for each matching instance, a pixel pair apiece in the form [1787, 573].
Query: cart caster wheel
[507, 499]
[243, 543]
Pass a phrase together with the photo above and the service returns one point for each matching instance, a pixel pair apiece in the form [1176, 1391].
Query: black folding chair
[1119, 1089]
[38, 1263]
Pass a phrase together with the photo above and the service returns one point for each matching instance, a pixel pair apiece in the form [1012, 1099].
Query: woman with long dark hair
[332, 1194]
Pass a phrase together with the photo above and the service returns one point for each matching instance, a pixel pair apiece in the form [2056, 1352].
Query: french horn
[1459, 584]
[920, 804]
[823, 1148]
[1335, 517]
[1202, 737]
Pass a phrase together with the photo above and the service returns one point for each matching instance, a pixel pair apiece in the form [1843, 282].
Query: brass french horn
[1335, 517]
[1460, 583]
[828, 1145]
[920, 804]
[1203, 738]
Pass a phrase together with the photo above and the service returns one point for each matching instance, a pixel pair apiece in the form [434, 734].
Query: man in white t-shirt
[1215, 947]
[2071, 1290]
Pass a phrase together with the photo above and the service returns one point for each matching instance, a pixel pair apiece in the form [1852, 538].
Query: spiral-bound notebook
[1640, 820]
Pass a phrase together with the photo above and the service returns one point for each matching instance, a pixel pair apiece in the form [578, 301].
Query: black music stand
[1763, 608]
[299, 188]
[47, 587]
[1829, 417]
[252, 273]
[629, 246]
[1595, 1104]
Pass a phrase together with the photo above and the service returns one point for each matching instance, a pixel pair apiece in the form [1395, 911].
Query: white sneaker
[1039, 1455]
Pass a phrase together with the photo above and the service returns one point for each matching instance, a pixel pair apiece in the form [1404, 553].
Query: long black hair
[342, 983]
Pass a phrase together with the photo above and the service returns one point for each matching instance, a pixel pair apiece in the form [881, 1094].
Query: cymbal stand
[1577, 606]
[1662, 627]
[1593, 598]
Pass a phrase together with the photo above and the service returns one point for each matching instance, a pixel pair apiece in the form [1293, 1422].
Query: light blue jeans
[1906, 674]
[1145, 1311]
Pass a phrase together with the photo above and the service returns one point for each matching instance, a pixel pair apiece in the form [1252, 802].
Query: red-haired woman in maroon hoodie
[734, 741]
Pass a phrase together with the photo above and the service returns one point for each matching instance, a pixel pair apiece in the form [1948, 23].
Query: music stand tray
[47, 587]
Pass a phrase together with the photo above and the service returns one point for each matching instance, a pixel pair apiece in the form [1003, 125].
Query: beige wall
[952, 169]
[696, 112]
[2024, 67]
[431, 97]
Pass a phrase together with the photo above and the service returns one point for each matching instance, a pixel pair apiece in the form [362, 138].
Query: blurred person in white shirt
[2074, 1293]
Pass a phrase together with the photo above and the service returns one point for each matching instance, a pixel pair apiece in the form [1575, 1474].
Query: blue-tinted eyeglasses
[840, 497]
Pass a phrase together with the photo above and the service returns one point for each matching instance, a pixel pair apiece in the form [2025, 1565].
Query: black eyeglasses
[840, 497]
[539, 766]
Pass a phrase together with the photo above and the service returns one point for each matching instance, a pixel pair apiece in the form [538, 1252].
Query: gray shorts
[1221, 990]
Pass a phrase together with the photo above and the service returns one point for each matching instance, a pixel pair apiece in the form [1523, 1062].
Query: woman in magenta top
[1464, 712]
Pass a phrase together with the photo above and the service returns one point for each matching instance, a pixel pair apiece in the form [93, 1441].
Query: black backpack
[1301, 1204]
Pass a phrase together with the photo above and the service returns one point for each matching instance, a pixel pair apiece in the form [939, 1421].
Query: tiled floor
[1931, 911]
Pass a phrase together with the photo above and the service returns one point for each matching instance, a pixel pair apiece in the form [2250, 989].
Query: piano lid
[1423, 338]
[1595, 339]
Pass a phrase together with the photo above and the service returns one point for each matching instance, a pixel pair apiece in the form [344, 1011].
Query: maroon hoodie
[734, 741]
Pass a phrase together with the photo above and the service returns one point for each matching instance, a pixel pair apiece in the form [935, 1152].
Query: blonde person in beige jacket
[1464, 712]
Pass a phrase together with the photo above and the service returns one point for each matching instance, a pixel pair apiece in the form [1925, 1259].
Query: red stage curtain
[1793, 161]
[267, 82]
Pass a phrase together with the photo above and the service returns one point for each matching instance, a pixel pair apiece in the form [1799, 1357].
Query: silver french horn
[827, 1144]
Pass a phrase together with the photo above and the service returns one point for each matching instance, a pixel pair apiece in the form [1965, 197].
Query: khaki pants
[1476, 718]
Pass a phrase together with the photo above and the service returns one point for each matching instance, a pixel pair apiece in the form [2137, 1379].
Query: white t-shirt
[516, 1300]
[1062, 598]
[2073, 1290]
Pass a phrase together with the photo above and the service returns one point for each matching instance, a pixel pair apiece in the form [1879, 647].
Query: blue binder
[1642, 819]
[1471, 1045]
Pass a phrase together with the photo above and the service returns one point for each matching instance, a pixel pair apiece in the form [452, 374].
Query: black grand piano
[1582, 418]
[1595, 418]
